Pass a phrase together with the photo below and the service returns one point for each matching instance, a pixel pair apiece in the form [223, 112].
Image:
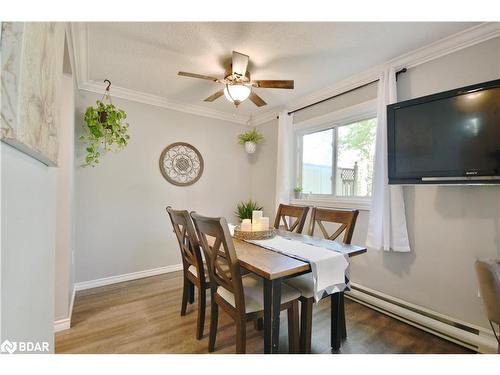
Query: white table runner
[328, 267]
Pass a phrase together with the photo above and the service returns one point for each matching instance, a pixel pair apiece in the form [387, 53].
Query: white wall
[449, 226]
[263, 169]
[121, 223]
[64, 215]
[28, 187]
[28, 242]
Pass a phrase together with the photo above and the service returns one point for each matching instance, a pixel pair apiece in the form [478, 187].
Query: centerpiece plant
[244, 209]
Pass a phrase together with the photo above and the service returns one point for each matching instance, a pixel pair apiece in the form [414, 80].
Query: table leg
[342, 316]
[276, 314]
[335, 328]
[268, 296]
[272, 302]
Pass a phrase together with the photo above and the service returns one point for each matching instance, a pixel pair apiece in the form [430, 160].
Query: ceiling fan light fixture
[237, 93]
[238, 86]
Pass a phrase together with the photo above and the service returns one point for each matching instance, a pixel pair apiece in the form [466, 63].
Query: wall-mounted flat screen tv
[448, 138]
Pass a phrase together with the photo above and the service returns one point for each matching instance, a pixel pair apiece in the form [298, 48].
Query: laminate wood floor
[143, 316]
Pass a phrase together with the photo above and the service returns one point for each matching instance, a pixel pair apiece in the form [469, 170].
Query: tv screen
[450, 137]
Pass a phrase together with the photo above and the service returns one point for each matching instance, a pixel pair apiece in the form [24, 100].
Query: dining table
[275, 267]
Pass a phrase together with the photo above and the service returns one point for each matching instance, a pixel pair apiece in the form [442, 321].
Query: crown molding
[456, 42]
[79, 36]
[442, 47]
[159, 101]
[435, 50]
[265, 117]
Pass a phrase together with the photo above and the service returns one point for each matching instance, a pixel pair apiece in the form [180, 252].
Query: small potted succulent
[105, 129]
[298, 192]
[250, 139]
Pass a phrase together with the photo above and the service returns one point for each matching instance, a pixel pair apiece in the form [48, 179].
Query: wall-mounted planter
[250, 147]
[250, 140]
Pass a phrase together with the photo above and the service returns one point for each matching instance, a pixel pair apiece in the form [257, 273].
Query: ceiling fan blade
[217, 95]
[240, 63]
[274, 84]
[201, 76]
[256, 99]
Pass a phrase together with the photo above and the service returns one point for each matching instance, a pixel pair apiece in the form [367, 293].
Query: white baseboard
[126, 277]
[462, 333]
[64, 324]
[72, 303]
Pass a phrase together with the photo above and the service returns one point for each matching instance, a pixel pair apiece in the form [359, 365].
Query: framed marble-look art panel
[32, 60]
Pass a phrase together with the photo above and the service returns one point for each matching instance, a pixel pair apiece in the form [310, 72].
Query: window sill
[362, 204]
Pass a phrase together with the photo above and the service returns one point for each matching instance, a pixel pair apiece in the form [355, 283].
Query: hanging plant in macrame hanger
[105, 128]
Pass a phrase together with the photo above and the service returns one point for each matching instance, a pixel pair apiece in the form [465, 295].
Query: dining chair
[241, 297]
[194, 272]
[304, 283]
[291, 218]
[488, 273]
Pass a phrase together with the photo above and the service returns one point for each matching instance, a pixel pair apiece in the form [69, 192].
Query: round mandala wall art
[181, 164]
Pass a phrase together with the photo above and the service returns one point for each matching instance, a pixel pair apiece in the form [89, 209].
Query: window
[338, 161]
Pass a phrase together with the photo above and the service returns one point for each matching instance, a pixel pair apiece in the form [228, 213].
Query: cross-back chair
[291, 218]
[241, 297]
[304, 283]
[192, 263]
[346, 219]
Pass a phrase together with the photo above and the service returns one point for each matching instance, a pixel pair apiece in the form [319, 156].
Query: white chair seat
[303, 283]
[254, 293]
[194, 271]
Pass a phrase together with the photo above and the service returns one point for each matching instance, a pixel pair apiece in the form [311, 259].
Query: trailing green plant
[250, 136]
[298, 189]
[105, 129]
[244, 210]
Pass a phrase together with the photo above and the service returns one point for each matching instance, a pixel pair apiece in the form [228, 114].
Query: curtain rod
[404, 70]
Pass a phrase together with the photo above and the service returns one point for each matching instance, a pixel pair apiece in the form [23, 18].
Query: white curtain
[387, 224]
[284, 165]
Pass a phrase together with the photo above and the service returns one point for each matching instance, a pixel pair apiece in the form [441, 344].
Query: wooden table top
[272, 265]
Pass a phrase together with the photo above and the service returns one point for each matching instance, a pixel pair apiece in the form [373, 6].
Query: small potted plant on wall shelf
[250, 139]
[105, 129]
[298, 192]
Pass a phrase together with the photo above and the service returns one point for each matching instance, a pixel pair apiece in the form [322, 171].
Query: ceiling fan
[238, 84]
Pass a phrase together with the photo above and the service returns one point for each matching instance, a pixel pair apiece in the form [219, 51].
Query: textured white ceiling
[147, 56]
